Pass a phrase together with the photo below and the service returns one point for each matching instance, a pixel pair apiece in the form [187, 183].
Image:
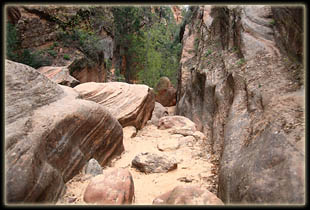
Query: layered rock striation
[131, 104]
[50, 133]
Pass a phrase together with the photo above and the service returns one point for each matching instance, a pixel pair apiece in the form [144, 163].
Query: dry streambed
[194, 165]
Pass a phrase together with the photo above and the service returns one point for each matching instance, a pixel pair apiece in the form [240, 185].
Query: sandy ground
[194, 167]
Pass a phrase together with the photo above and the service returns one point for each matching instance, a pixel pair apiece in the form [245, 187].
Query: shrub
[12, 42]
[241, 62]
[272, 22]
[118, 76]
[208, 52]
[52, 53]
[33, 59]
[66, 57]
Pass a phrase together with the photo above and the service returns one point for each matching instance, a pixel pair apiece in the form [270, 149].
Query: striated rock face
[114, 186]
[50, 134]
[189, 195]
[130, 104]
[60, 75]
[288, 27]
[245, 95]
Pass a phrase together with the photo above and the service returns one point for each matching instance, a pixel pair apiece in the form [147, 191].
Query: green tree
[148, 42]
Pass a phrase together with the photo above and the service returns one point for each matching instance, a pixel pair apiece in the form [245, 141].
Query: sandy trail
[194, 167]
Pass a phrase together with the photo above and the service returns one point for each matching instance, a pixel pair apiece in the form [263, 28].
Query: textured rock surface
[60, 75]
[41, 27]
[13, 14]
[176, 122]
[177, 13]
[289, 33]
[166, 93]
[50, 134]
[130, 104]
[158, 112]
[93, 167]
[189, 195]
[83, 71]
[245, 95]
[114, 186]
[168, 145]
[153, 163]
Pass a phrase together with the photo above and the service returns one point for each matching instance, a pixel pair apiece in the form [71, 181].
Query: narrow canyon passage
[158, 104]
[194, 166]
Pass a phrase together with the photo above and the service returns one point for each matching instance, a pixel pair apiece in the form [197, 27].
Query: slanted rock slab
[60, 75]
[114, 186]
[131, 104]
[153, 163]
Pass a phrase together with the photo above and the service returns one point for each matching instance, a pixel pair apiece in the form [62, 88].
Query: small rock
[169, 145]
[154, 163]
[166, 93]
[93, 167]
[192, 195]
[185, 179]
[158, 112]
[176, 122]
[71, 199]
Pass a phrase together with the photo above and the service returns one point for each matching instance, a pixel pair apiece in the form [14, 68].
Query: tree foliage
[147, 40]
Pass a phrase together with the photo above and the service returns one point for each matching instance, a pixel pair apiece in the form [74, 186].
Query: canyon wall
[241, 82]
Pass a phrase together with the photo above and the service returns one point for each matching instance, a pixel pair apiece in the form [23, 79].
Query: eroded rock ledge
[131, 104]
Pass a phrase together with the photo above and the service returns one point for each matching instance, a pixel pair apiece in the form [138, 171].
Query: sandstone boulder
[166, 93]
[176, 122]
[189, 195]
[60, 75]
[158, 112]
[131, 104]
[153, 163]
[82, 70]
[50, 134]
[114, 186]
